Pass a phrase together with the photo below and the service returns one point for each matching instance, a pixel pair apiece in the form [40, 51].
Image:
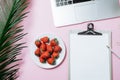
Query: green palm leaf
[11, 14]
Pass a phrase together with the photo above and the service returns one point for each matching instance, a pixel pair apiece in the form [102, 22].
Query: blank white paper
[90, 59]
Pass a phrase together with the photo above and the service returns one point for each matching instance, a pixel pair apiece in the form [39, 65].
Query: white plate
[46, 65]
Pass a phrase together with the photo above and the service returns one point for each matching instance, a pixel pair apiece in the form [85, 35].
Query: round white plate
[46, 65]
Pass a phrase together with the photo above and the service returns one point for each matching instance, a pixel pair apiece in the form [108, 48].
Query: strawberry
[45, 39]
[51, 60]
[55, 54]
[49, 48]
[37, 43]
[54, 42]
[43, 47]
[42, 60]
[45, 55]
[57, 48]
[37, 52]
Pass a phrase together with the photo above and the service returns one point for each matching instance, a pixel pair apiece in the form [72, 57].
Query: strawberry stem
[56, 40]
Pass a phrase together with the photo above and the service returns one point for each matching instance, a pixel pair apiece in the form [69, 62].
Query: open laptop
[67, 12]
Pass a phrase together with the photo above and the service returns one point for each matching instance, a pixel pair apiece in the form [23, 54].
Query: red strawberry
[54, 42]
[45, 55]
[42, 60]
[37, 43]
[55, 54]
[37, 52]
[49, 48]
[42, 56]
[43, 47]
[45, 39]
[57, 48]
[51, 60]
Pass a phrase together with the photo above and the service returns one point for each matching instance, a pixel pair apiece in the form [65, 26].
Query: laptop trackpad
[86, 12]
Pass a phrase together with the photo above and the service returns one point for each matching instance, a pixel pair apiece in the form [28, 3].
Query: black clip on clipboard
[90, 30]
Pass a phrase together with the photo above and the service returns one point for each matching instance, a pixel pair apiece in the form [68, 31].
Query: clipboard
[90, 59]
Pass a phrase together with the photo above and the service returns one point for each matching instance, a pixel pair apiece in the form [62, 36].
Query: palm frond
[11, 14]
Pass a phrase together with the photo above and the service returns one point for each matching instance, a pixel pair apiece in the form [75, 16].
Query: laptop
[67, 12]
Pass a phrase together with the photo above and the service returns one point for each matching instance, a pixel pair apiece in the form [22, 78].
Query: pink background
[40, 21]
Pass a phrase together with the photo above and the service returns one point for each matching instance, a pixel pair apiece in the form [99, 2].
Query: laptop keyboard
[63, 2]
[69, 2]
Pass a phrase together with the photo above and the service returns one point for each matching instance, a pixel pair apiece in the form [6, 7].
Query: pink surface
[40, 21]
